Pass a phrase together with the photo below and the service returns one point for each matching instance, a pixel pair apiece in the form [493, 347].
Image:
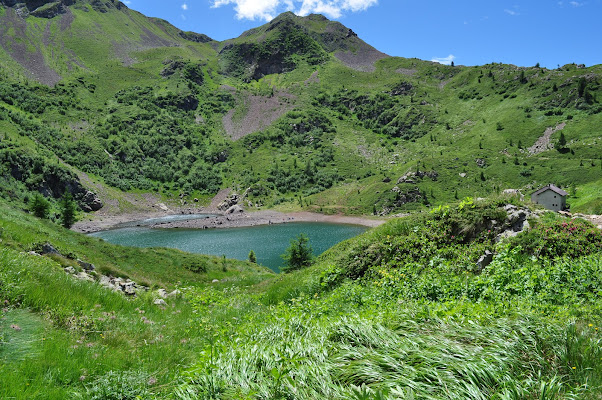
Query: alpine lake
[268, 242]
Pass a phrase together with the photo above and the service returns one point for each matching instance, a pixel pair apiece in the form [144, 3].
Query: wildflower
[590, 325]
[152, 381]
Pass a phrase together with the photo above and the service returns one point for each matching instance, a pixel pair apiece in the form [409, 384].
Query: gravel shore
[241, 219]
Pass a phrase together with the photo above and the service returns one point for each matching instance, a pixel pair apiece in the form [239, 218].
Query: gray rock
[47, 248]
[235, 209]
[86, 266]
[175, 293]
[162, 293]
[159, 302]
[69, 270]
[484, 260]
[215, 281]
[90, 202]
[84, 277]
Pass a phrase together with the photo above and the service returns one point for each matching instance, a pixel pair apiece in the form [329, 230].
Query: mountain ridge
[298, 108]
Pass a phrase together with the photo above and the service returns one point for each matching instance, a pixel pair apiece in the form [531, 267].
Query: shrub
[558, 238]
[128, 385]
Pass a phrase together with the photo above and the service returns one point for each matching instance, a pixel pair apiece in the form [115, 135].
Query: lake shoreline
[221, 221]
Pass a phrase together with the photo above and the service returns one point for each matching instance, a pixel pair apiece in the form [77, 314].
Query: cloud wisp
[444, 60]
[268, 9]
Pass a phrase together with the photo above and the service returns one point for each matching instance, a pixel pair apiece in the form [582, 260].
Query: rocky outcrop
[195, 37]
[229, 201]
[411, 177]
[39, 8]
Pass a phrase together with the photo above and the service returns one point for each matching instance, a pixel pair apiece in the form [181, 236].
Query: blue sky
[469, 32]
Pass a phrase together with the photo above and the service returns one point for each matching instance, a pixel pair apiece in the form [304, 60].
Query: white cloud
[127, 2]
[576, 4]
[184, 6]
[511, 12]
[268, 9]
[444, 60]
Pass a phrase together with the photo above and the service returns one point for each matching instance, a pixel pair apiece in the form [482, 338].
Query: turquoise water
[267, 241]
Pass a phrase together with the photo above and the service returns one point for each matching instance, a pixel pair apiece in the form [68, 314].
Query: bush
[128, 385]
[558, 238]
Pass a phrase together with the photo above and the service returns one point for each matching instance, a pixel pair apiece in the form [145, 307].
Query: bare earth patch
[256, 113]
[406, 71]
[543, 143]
[21, 50]
[362, 60]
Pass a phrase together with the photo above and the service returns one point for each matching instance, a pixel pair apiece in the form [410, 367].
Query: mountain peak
[276, 46]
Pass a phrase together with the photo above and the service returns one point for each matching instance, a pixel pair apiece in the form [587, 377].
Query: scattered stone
[69, 270]
[463, 175]
[215, 281]
[33, 253]
[484, 260]
[162, 293]
[481, 163]
[174, 294]
[86, 266]
[163, 207]
[235, 209]
[159, 302]
[47, 248]
[84, 277]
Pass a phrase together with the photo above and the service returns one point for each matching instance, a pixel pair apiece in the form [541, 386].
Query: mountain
[297, 113]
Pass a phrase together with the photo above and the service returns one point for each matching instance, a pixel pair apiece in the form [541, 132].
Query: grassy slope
[464, 106]
[58, 334]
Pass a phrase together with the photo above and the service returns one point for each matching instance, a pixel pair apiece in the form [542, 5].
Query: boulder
[174, 294]
[84, 277]
[86, 266]
[484, 260]
[159, 302]
[162, 293]
[90, 202]
[47, 248]
[235, 209]
[69, 270]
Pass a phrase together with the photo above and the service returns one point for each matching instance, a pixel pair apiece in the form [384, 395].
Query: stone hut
[551, 197]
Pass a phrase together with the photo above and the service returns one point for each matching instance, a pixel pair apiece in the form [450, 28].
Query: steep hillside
[298, 113]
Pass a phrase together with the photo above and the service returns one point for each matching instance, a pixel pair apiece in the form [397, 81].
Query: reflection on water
[267, 241]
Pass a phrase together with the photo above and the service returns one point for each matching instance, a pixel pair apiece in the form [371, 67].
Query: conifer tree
[39, 206]
[67, 215]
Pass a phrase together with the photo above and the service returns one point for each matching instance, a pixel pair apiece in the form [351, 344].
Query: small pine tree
[298, 255]
[498, 126]
[483, 177]
[67, 210]
[252, 257]
[582, 85]
[503, 160]
[39, 206]
[562, 140]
